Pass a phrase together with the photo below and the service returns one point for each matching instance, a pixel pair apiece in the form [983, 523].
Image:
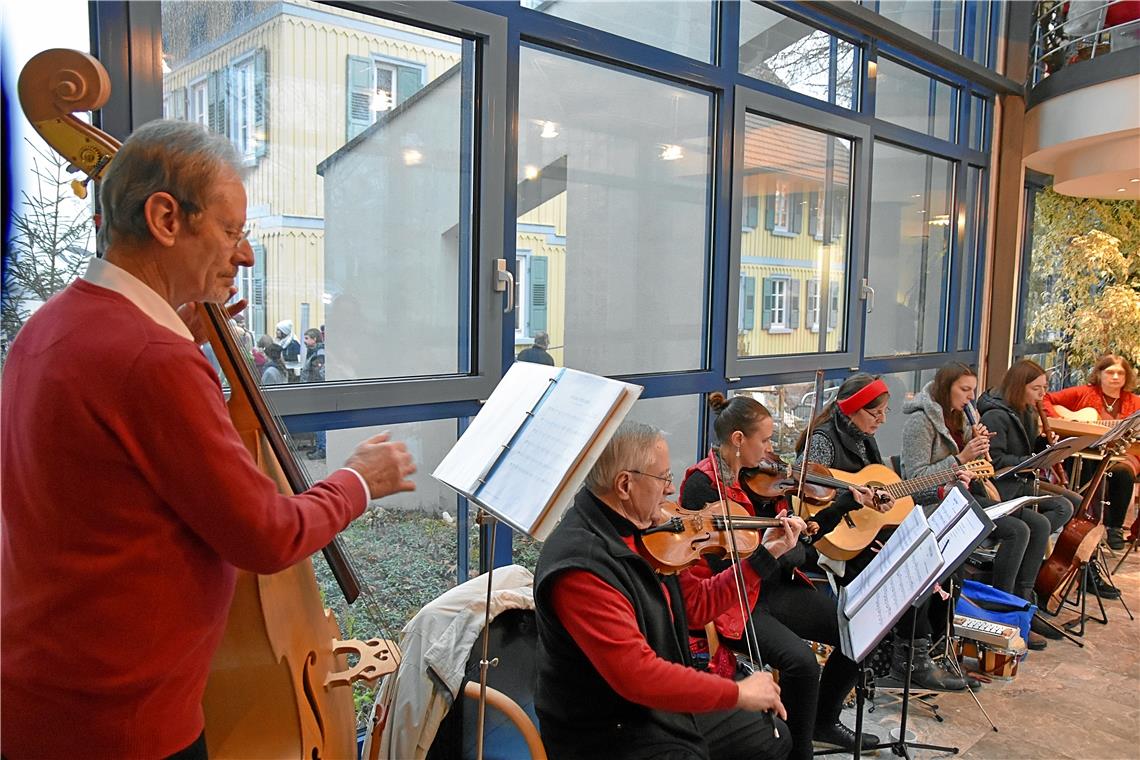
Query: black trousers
[1118, 483]
[1021, 550]
[742, 735]
[196, 751]
[787, 612]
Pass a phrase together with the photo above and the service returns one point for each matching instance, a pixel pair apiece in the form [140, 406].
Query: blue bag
[988, 603]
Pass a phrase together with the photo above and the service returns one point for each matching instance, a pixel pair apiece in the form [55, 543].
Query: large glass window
[791, 406]
[912, 197]
[974, 251]
[613, 214]
[680, 26]
[358, 136]
[791, 54]
[52, 235]
[794, 239]
[905, 97]
[939, 20]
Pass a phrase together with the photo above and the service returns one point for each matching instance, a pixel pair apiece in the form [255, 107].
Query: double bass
[280, 684]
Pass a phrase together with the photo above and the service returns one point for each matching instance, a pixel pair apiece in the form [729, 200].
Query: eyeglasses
[668, 479]
[880, 415]
[239, 237]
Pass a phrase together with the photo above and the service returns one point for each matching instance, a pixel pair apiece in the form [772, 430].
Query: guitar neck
[921, 483]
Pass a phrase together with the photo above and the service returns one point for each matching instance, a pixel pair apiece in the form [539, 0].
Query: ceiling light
[1135, 179]
[549, 130]
[412, 157]
[940, 220]
[530, 171]
[1120, 189]
[671, 152]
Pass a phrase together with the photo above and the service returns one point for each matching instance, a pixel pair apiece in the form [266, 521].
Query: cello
[280, 684]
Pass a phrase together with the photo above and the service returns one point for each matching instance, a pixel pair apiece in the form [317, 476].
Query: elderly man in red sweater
[128, 497]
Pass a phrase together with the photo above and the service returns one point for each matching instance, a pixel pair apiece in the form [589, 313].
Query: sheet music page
[500, 418]
[897, 546]
[961, 538]
[947, 512]
[1003, 508]
[519, 488]
[909, 579]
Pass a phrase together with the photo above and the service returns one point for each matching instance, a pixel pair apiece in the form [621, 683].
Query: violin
[774, 478]
[687, 536]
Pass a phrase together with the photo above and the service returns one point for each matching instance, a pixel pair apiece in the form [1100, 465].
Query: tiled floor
[1065, 702]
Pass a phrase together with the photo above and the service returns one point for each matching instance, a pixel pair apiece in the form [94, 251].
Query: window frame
[198, 87]
[242, 73]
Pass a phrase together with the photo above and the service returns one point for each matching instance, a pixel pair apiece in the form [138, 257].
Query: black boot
[1095, 582]
[839, 735]
[1114, 537]
[925, 673]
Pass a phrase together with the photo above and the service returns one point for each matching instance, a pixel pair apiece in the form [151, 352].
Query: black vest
[854, 449]
[580, 715]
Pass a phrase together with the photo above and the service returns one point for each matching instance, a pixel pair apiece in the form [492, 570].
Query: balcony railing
[1065, 33]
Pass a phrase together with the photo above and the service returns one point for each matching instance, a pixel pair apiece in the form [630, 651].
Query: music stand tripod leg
[949, 656]
[901, 746]
[1103, 563]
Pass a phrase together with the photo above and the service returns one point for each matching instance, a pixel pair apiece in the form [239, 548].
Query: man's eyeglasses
[666, 479]
[879, 414]
[239, 237]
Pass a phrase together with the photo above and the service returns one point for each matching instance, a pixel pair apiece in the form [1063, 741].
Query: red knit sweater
[128, 499]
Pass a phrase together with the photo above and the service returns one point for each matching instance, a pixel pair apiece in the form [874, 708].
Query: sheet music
[526, 478]
[947, 512]
[500, 418]
[905, 584]
[897, 546]
[1003, 508]
[959, 540]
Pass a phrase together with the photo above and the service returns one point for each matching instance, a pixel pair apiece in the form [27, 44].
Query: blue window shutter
[536, 305]
[797, 212]
[260, 103]
[793, 304]
[751, 212]
[409, 80]
[256, 321]
[811, 315]
[769, 212]
[833, 310]
[359, 95]
[747, 303]
[768, 303]
[212, 85]
[813, 215]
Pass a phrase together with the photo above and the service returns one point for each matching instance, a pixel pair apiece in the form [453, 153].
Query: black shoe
[1039, 627]
[925, 673]
[1036, 642]
[316, 454]
[1114, 537]
[839, 735]
[1094, 583]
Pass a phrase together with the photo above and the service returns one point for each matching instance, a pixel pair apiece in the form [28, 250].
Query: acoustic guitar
[858, 528]
[1087, 415]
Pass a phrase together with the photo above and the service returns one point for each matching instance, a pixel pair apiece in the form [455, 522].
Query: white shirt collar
[106, 275]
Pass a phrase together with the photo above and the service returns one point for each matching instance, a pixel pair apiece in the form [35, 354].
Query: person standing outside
[128, 499]
[537, 353]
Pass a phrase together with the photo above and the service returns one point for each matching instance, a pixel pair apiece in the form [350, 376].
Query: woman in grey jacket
[937, 437]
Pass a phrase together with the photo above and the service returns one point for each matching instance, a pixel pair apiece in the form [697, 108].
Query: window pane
[979, 23]
[52, 235]
[793, 241]
[678, 416]
[911, 197]
[785, 52]
[938, 20]
[977, 126]
[913, 100]
[357, 135]
[791, 405]
[613, 216]
[903, 387]
[973, 252]
[404, 546]
[680, 26]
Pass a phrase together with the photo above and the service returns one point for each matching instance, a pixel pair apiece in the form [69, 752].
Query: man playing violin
[787, 608]
[128, 497]
[615, 677]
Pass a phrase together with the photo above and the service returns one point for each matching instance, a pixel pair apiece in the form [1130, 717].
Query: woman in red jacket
[1110, 393]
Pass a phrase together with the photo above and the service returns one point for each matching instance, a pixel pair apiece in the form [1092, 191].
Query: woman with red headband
[843, 438]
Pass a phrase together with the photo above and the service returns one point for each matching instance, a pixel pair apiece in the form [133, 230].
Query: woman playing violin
[788, 608]
[937, 436]
[1109, 392]
[843, 438]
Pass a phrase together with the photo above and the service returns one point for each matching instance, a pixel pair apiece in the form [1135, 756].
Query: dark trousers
[742, 735]
[196, 751]
[1059, 508]
[787, 612]
[1022, 539]
[1118, 483]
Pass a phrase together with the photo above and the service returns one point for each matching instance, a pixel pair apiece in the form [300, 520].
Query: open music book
[530, 447]
[919, 553]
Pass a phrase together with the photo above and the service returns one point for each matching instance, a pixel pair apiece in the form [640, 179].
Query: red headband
[862, 397]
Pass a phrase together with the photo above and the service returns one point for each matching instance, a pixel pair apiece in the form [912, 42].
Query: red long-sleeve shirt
[128, 499]
[1088, 396]
[606, 631]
